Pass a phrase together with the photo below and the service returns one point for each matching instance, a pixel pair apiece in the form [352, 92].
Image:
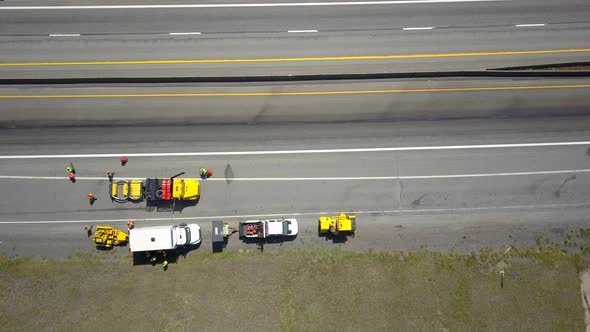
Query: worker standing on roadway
[71, 172]
[165, 264]
[88, 229]
[206, 173]
[71, 169]
[123, 160]
[110, 175]
[130, 225]
[91, 198]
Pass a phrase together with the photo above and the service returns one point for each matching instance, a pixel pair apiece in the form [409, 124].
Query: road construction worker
[203, 172]
[123, 160]
[165, 264]
[153, 259]
[110, 175]
[70, 168]
[88, 229]
[208, 173]
[91, 198]
[130, 224]
[72, 177]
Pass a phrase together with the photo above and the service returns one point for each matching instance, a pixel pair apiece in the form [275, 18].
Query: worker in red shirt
[72, 177]
[123, 160]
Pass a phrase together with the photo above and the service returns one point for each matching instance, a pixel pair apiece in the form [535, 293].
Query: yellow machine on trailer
[109, 236]
[342, 224]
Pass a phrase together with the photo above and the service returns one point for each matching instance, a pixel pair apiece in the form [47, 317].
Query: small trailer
[220, 232]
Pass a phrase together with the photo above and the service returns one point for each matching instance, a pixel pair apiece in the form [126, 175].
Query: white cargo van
[164, 237]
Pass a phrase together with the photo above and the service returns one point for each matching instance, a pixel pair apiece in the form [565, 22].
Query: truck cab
[185, 189]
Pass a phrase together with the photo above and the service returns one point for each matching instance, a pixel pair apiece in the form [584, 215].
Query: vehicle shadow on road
[341, 238]
[273, 241]
[172, 256]
[166, 206]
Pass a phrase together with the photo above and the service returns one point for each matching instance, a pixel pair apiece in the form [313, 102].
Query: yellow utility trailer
[108, 236]
[342, 224]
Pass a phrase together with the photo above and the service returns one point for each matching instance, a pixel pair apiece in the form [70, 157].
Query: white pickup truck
[156, 238]
[263, 229]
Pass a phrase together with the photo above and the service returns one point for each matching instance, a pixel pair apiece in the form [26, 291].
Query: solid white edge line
[64, 35]
[301, 31]
[418, 28]
[242, 5]
[279, 152]
[296, 214]
[183, 33]
[356, 178]
[530, 25]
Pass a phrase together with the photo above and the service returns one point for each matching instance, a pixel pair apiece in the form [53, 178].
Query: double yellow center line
[295, 93]
[328, 58]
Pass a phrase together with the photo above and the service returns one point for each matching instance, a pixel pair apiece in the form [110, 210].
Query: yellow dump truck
[342, 224]
[108, 236]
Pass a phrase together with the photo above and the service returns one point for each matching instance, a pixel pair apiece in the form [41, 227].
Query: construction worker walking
[165, 264]
[130, 225]
[123, 160]
[91, 198]
[71, 172]
[88, 229]
[110, 175]
[70, 168]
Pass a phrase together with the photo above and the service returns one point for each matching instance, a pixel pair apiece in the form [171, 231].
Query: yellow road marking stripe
[302, 93]
[330, 58]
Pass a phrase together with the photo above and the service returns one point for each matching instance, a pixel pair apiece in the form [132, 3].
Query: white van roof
[151, 238]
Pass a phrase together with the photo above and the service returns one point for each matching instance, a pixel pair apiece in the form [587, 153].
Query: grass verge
[296, 291]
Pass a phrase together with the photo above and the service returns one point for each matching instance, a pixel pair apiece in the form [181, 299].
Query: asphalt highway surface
[305, 38]
[457, 194]
[444, 163]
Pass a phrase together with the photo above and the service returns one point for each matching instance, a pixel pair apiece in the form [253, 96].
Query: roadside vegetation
[299, 291]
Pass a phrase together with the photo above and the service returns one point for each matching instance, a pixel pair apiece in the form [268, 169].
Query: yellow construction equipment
[337, 225]
[108, 236]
